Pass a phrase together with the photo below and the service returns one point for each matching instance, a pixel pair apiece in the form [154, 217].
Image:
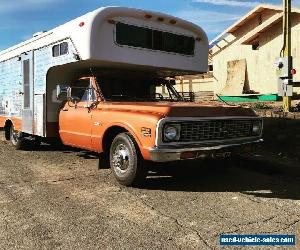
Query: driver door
[75, 119]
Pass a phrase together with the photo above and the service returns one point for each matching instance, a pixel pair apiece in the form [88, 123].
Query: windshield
[138, 89]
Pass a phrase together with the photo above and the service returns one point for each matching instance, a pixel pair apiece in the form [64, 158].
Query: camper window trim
[153, 30]
[57, 49]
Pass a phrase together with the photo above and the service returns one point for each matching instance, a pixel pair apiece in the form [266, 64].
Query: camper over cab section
[94, 83]
[138, 38]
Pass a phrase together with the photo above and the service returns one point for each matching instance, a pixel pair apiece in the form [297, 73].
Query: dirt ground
[57, 198]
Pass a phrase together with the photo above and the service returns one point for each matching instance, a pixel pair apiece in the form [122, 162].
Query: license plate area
[225, 154]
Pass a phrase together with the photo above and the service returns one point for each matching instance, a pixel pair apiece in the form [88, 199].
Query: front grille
[215, 130]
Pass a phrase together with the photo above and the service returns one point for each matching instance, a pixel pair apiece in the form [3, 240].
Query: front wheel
[16, 138]
[126, 162]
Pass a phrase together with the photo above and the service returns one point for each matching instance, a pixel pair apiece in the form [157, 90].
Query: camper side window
[64, 48]
[55, 50]
[60, 49]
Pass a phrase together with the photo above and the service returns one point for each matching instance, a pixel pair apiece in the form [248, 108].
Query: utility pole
[285, 61]
[287, 27]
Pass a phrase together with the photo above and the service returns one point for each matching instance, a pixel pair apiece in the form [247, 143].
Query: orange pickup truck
[129, 123]
[95, 83]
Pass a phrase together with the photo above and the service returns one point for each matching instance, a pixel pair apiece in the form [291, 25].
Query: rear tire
[37, 142]
[126, 161]
[16, 138]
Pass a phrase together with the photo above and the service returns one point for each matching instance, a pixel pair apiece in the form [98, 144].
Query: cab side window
[89, 95]
[83, 90]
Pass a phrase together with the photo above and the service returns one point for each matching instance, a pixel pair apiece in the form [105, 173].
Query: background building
[243, 56]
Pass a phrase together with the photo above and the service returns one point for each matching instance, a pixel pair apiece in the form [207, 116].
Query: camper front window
[141, 37]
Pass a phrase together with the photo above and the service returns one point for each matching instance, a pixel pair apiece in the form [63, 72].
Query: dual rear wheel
[19, 141]
[16, 138]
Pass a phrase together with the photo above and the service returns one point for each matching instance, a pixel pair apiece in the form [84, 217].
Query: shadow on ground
[255, 177]
[264, 176]
[248, 175]
[58, 147]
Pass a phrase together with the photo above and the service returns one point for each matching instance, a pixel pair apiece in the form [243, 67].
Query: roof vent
[38, 33]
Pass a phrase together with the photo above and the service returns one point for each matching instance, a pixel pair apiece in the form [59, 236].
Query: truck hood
[171, 109]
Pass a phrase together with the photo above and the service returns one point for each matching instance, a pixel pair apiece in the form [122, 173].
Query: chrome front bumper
[165, 154]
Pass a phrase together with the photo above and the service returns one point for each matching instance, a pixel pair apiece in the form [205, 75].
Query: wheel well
[109, 136]
[7, 126]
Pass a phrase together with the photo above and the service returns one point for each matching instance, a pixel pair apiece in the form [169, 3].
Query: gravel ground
[57, 198]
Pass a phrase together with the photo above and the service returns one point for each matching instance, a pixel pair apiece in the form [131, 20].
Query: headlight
[256, 128]
[172, 132]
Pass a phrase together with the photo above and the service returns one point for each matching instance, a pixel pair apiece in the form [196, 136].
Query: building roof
[251, 37]
[250, 15]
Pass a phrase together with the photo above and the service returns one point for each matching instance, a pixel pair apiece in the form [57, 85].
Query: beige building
[243, 56]
[202, 85]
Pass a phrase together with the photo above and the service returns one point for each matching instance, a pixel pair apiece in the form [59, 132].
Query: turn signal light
[293, 72]
[81, 24]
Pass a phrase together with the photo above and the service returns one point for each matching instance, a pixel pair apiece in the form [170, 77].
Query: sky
[20, 19]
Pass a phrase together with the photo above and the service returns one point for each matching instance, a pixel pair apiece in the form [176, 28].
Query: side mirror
[62, 92]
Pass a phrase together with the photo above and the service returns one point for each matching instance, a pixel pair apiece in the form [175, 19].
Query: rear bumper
[165, 154]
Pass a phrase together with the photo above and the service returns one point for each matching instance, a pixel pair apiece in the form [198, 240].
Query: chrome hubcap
[120, 158]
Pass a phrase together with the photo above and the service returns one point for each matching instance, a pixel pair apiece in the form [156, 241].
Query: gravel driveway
[57, 198]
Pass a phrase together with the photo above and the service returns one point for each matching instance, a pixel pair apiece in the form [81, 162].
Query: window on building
[60, 49]
[141, 37]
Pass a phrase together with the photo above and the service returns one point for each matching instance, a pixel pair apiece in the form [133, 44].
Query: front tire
[126, 162]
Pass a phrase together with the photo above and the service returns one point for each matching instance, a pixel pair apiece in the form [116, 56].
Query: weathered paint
[11, 82]
[16, 121]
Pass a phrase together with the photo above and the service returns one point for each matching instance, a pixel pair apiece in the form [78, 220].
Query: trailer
[92, 83]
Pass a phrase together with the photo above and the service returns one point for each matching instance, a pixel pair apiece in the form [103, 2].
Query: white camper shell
[111, 38]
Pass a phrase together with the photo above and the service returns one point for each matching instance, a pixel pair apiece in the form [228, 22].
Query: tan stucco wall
[206, 84]
[198, 85]
[261, 69]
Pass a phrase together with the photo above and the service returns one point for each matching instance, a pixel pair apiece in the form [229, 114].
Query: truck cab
[124, 118]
